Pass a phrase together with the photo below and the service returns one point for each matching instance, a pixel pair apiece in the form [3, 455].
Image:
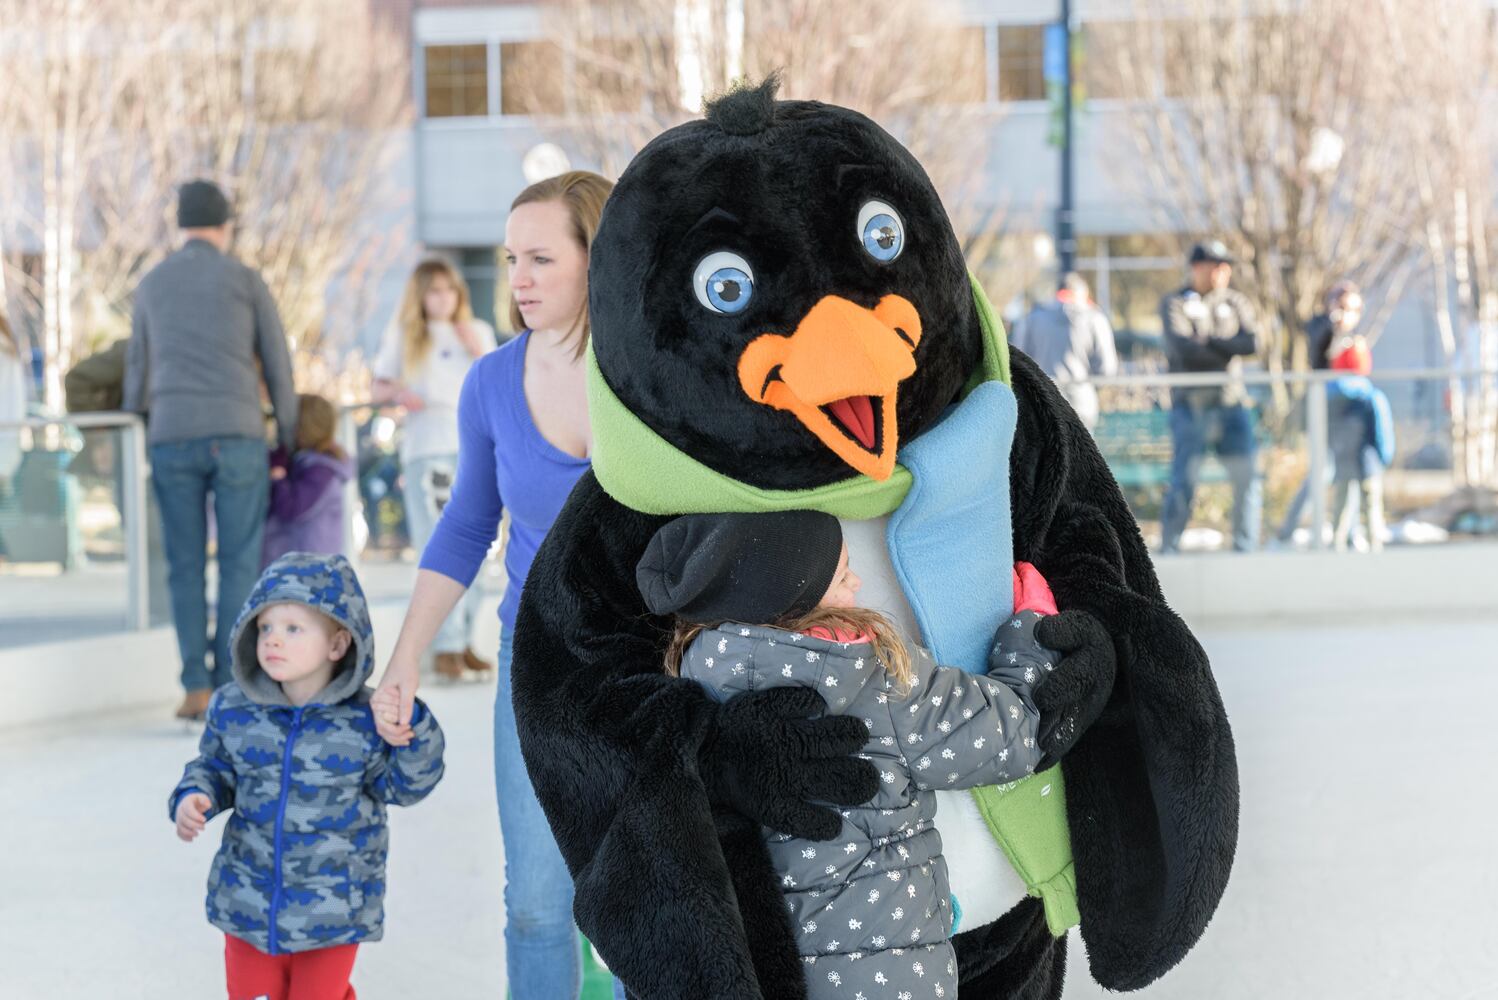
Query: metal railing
[1314, 384]
[1146, 391]
[133, 472]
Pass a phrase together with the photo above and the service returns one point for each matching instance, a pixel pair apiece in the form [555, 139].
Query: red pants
[308, 975]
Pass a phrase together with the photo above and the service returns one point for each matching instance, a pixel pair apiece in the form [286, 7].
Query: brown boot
[449, 666]
[475, 662]
[194, 707]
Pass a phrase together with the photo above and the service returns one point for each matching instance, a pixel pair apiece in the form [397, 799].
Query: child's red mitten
[1031, 592]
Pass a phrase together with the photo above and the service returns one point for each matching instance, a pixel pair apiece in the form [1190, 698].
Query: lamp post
[1066, 243]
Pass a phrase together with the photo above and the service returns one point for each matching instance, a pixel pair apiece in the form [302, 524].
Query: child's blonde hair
[879, 630]
[317, 426]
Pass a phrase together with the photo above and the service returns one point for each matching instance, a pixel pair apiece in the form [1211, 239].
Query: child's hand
[385, 703]
[277, 473]
[192, 815]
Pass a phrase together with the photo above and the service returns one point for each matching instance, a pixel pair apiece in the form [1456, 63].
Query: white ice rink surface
[1369, 764]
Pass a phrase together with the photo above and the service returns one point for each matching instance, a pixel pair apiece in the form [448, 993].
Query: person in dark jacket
[1209, 327]
[1344, 311]
[306, 492]
[291, 751]
[204, 337]
[1360, 423]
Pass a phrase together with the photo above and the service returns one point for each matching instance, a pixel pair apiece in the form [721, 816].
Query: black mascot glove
[770, 754]
[1072, 696]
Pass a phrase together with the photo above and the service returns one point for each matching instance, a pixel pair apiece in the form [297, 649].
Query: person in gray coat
[1071, 340]
[872, 910]
[204, 336]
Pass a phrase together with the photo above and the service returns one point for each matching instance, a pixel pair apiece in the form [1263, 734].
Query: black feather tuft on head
[745, 110]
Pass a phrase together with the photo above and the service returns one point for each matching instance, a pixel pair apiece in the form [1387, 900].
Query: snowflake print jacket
[883, 883]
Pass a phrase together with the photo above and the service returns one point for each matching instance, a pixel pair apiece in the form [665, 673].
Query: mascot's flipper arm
[1152, 786]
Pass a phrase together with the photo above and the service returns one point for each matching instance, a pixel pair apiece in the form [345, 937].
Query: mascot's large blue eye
[881, 231]
[724, 282]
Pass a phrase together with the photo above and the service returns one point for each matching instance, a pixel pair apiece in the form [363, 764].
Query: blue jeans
[542, 955]
[1229, 431]
[236, 472]
[1297, 507]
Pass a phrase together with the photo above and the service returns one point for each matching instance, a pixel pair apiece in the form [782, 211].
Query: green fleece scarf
[640, 469]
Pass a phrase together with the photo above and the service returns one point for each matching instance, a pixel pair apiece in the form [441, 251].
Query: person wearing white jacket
[420, 366]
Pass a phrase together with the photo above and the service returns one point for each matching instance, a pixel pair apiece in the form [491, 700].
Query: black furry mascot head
[790, 264]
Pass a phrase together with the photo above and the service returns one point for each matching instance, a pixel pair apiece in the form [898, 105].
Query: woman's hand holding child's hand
[192, 815]
[385, 703]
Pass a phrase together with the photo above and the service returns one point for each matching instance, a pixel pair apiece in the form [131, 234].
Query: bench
[1137, 447]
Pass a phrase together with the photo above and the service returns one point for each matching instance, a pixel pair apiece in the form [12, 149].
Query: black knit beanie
[202, 205]
[753, 568]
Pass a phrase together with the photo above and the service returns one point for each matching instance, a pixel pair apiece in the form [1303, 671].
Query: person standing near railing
[1071, 340]
[1360, 423]
[205, 334]
[1210, 327]
[1344, 311]
[12, 408]
[420, 366]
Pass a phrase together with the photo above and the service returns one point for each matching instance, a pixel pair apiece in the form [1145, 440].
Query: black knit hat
[1211, 252]
[202, 205]
[755, 568]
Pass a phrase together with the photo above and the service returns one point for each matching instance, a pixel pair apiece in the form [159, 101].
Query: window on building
[1022, 62]
[965, 75]
[457, 81]
[532, 79]
[611, 73]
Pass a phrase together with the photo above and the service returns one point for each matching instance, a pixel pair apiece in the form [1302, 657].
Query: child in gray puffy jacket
[765, 600]
[291, 753]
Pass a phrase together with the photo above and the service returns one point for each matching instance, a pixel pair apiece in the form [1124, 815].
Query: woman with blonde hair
[525, 441]
[421, 365]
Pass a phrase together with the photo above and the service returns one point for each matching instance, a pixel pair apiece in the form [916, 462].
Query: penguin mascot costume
[782, 319]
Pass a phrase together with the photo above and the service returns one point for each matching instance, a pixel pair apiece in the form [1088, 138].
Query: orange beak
[839, 373]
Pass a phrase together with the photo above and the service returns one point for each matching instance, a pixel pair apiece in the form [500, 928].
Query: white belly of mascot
[984, 882]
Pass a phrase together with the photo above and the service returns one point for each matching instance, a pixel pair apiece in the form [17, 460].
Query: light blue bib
[951, 541]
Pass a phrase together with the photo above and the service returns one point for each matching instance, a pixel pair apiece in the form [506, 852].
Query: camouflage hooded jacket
[302, 864]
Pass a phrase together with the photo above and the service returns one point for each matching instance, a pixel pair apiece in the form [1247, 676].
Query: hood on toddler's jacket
[326, 584]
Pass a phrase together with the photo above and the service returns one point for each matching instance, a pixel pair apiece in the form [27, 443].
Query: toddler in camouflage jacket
[290, 750]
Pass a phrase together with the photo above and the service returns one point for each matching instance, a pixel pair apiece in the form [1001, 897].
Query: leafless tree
[107, 105]
[1448, 55]
[610, 77]
[1269, 124]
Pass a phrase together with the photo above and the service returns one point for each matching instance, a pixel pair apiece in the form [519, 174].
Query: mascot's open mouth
[858, 416]
[839, 373]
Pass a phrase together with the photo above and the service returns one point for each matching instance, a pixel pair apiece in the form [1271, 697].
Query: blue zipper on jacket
[275, 894]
